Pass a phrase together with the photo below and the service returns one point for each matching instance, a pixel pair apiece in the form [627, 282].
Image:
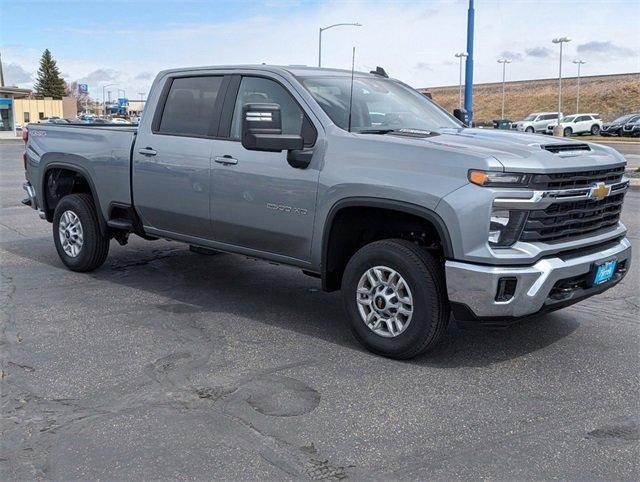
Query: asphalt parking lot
[170, 364]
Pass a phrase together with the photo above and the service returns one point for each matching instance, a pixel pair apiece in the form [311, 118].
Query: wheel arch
[84, 173]
[407, 208]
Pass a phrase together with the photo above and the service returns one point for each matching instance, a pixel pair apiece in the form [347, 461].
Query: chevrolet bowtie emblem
[599, 191]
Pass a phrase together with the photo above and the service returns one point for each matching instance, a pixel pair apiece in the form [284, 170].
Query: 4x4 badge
[599, 191]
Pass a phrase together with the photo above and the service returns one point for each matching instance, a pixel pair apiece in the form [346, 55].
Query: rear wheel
[395, 295]
[568, 132]
[595, 129]
[76, 233]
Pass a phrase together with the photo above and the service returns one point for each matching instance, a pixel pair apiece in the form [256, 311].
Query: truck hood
[519, 152]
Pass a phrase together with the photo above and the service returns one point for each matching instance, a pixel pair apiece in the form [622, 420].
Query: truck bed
[101, 151]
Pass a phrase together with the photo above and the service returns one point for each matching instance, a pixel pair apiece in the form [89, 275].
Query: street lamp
[559, 40]
[578, 63]
[504, 63]
[322, 29]
[461, 55]
[104, 104]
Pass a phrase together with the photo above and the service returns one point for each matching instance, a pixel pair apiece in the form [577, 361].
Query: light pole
[578, 63]
[504, 63]
[104, 103]
[322, 29]
[559, 40]
[461, 55]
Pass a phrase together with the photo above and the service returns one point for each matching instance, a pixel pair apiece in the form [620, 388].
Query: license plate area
[604, 271]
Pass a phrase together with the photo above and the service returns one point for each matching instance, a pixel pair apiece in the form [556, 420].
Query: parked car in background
[614, 128]
[53, 120]
[119, 120]
[578, 124]
[632, 127]
[536, 122]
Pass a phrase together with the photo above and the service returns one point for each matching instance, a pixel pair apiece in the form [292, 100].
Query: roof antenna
[353, 63]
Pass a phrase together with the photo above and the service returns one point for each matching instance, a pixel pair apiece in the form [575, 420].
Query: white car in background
[536, 122]
[578, 124]
[119, 120]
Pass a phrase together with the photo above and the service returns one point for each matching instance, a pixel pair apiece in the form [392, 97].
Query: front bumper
[549, 284]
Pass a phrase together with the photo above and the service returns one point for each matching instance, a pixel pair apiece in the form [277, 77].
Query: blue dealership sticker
[605, 272]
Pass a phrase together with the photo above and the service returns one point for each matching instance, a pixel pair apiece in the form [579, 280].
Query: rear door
[172, 156]
[583, 124]
[259, 201]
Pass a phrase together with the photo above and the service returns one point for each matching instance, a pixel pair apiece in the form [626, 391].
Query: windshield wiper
[374, 131]
[405, 131]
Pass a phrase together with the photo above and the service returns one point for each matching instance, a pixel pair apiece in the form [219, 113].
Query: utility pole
[322, 29]
[504, 63]
[578, 63]
[558, 129]
[468, 79]
[460, 55]
[104, 103]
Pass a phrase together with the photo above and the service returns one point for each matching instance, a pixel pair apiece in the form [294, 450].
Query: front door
[172, 159]
[259, 201]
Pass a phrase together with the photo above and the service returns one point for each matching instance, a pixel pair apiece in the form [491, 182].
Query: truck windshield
[378, 105]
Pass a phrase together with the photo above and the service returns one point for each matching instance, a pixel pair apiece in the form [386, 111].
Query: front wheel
[76, 233]
[568, 132]
[530, 130]
[395, 295]
[595, 130]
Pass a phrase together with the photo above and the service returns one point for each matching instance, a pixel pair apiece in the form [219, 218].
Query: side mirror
[461, 115]
[262, 129]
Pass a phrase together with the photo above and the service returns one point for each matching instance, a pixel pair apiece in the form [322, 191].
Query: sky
[128, 42]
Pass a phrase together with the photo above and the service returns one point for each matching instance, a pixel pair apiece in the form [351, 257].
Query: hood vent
[568, 148]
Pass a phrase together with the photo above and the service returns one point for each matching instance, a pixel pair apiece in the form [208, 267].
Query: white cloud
[14, 74]
[412, 41]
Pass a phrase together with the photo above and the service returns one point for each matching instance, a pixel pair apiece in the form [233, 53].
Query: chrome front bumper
[474, 287]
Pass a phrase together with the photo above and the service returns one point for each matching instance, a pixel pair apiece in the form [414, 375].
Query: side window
[261, 90]
[190, 106]
[26, 118]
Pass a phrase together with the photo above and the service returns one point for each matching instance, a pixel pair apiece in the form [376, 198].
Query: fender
[84, 173]
[409, 208]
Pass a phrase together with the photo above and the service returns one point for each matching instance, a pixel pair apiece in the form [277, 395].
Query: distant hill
[608, 95]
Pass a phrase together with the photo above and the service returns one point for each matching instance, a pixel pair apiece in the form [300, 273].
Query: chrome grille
[564, 220]
[572, 180]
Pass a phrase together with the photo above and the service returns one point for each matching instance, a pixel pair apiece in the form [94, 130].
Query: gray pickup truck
[358, 180]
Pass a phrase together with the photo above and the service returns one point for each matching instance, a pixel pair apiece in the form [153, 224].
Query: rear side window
[190, 107]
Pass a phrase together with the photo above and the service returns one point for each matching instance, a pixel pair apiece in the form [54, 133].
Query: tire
[595, 129]
[568, 132]
[530, 130]
[425, 283]
[89, 248]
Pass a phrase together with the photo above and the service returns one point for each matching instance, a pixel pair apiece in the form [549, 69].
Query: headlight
[505, 227]
[498, 179]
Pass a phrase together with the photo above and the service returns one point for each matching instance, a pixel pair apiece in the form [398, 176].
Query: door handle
[147, 151]
[226, 160]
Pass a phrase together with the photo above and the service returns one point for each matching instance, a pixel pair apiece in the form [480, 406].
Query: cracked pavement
[168, 364]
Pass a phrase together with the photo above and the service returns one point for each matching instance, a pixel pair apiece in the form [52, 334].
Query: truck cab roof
[295, 70]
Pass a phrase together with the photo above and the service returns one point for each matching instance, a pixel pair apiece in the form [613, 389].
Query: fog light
[506, 289]
[505, 227]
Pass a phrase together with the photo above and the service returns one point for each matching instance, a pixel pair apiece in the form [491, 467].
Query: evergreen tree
[49, 83]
